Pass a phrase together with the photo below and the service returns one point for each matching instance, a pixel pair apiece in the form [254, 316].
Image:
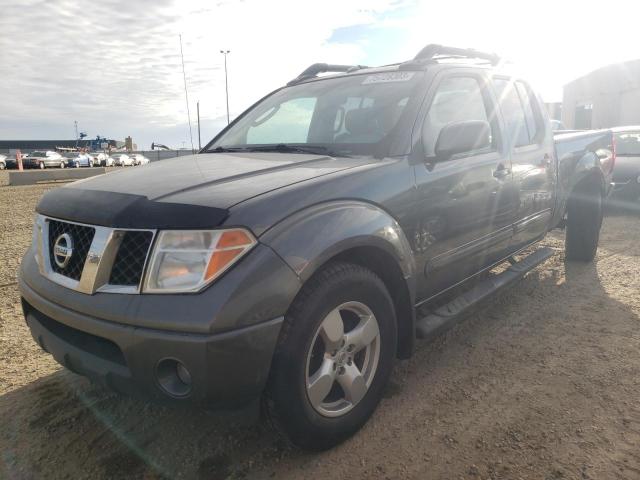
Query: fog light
[183, 374]
[173, 377]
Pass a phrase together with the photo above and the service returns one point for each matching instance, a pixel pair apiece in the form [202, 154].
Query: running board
[446, 315]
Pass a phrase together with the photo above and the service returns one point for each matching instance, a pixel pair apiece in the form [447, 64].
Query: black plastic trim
[124, 210]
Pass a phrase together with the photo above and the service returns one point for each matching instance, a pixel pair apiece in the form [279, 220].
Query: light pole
[226, 83]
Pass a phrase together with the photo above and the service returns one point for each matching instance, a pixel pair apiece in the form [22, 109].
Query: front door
[464, 216]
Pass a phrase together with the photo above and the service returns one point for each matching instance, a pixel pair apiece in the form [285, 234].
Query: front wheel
[62, 165]
[334, 357]
[584, 220]
[41, 165]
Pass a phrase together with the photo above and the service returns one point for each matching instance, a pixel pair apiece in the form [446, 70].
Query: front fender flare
[309, 238]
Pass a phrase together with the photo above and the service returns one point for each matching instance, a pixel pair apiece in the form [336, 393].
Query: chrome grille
[129, 263]
[103, 259]
[82, 237]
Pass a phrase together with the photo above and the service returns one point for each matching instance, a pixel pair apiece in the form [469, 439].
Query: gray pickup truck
[304, 249]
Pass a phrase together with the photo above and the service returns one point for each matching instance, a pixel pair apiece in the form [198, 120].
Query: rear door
[464, 219]
[532, 150]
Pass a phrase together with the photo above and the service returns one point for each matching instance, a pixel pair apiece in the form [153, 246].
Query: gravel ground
[543, 383]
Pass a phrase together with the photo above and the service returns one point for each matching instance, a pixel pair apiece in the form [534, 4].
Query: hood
[193, 191]
[626, 168]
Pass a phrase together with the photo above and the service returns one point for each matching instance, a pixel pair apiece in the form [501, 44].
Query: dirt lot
[542, 384]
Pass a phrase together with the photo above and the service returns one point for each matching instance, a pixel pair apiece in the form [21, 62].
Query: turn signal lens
[231, 245]
[188, 260]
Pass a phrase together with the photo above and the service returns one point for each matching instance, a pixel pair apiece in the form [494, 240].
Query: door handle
[501, 171]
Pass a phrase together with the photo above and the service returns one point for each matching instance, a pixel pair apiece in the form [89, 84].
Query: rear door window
[512, 111]
[531, 115]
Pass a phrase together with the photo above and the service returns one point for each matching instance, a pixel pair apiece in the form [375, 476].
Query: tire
[41, 165]
[584, 220]
[2, 166]
[62, 165]
[304, 355]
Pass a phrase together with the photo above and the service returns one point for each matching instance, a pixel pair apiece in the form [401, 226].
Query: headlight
[188, 260]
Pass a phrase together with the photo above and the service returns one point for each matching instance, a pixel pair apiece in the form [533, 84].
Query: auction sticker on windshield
[388, 77]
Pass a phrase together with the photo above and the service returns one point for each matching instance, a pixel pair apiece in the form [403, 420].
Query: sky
[114, 65]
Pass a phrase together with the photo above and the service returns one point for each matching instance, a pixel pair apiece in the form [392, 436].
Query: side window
[514, 114]
[288, 122]
[533, 120]
[457, 99]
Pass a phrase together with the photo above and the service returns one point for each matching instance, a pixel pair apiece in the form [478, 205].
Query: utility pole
[75, 124]
[186, 95]
[198, 108]
[226, 82]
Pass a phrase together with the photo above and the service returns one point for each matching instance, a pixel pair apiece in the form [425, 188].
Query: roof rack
[434, 52]
[313, 71]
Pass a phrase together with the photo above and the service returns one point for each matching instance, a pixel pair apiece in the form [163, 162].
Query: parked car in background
[557, 125]
[42, 160]
[9, 162]
[626, 173]
[123, 160]
[109, 161]
[81, 160]
[93, 157]
[100, 159]
[139, 159]
[3, 162]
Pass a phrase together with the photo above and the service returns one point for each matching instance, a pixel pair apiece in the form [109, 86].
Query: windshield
[358, 114]
[628, 143]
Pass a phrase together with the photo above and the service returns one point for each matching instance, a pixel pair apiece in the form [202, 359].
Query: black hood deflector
[124, 210]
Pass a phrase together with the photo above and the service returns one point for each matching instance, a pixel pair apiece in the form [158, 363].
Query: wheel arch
[355, 232]
[592, 181]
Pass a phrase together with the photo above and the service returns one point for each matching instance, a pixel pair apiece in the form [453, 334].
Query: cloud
[114, 65]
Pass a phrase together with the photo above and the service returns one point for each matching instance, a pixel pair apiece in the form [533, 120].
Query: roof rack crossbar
[431, 51]
[316, 68]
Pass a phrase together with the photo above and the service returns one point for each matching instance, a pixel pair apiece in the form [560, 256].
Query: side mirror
[462, 137]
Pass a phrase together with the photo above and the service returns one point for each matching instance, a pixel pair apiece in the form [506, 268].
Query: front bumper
[226, 340]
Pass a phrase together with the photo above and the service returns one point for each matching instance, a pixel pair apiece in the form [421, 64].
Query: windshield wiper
[226, 149]
[282, 148]
[289, 148]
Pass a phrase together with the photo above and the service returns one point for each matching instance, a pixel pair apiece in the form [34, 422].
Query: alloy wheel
[343, 359]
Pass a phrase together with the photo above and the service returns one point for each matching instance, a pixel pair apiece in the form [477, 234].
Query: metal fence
[152, 155]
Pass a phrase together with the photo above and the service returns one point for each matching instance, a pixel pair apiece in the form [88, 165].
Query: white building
[607, 97]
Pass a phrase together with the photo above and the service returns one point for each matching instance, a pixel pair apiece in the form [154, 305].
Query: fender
[573, 169]
[310, 237]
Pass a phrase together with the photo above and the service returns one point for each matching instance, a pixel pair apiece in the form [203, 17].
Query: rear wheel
[584, 219]
[2, 166]
[41, 165]
[62, 165]
[334, 357]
